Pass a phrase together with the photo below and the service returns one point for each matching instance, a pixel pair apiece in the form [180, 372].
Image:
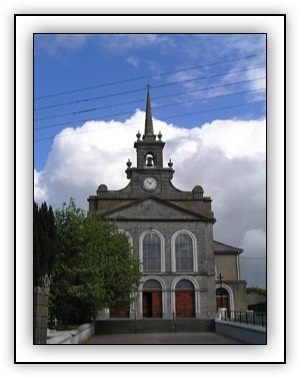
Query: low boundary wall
[75, 336]
[244, 332]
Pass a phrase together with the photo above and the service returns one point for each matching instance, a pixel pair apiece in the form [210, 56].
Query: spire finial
[148, 120]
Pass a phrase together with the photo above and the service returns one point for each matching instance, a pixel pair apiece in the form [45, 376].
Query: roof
[226, 248]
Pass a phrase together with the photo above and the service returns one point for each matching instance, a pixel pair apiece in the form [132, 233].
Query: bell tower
[149, 175]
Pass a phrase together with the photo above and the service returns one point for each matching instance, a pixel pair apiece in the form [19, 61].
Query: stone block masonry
[40, 315]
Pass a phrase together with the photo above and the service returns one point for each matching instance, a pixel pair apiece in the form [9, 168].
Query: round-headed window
[151, 253]
[184, 253]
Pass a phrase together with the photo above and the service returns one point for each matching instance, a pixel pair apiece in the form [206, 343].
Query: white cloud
[134, 61]
[226, 157]
[40, 191]
[70, 41]
[237, 139]
[119, 43]
[55, 43]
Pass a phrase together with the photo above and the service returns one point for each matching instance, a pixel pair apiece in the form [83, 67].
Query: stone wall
[40, 315]
[80, 335]
[247, 333]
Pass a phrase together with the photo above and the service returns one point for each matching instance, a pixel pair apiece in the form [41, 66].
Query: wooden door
[156, 304]
[185, 303]
[152, 304]
[147, 304]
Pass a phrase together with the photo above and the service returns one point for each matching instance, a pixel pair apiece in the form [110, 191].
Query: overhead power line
[145, 77]
[253, 258]
[159, 97]
[78, 101]
[154, 107]
[167, 117]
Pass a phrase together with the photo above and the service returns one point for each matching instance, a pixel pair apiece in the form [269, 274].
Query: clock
[150, 184]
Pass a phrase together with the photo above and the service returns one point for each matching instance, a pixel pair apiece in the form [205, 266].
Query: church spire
[150, 147]
[148, 118]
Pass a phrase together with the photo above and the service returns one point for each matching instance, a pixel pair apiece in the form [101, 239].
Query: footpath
[180, 338]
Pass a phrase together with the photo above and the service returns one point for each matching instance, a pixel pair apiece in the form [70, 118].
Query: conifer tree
[44, 242]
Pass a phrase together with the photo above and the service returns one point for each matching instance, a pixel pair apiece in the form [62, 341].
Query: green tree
[94, 269]
[256, 290]
[44, 242]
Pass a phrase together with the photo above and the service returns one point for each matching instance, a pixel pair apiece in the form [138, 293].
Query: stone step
[195, 325]
[113, 326]
[155, 326]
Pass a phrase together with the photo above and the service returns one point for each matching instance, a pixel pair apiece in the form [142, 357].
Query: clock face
[150, 183]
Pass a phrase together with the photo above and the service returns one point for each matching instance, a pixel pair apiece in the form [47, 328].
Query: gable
[153, 209]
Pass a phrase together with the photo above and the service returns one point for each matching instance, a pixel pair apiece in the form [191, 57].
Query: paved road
[180, 338]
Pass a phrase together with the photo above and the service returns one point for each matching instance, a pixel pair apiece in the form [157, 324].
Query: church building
[185, 272]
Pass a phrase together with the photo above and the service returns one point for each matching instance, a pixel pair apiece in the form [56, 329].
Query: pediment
[153, 208]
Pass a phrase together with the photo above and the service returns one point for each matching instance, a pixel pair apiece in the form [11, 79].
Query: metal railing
[174, 320]
[243, 317]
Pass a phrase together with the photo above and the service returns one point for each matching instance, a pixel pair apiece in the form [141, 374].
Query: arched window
[127, 234]
[184, 253]
[185, 284]
[151, 253]
[152, 284]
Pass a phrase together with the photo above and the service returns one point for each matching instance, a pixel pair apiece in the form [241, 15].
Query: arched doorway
[152, 299]
[185, 299]
[222, 299]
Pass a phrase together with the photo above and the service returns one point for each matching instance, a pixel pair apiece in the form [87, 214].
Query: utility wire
[207, 88]
[253, 258]
[154, 86]
[168, 117]
[159, 97]
[212, 110]
[158, 106]
[142, 77]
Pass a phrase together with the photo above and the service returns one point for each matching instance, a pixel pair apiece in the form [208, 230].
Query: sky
[208, 100]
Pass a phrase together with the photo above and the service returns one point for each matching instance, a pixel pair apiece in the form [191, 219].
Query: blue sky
[208, 100]
[194, 79]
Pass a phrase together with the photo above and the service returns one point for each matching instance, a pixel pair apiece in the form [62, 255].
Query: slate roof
[225, 248]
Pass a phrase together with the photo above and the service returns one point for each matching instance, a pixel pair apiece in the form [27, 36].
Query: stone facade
[170, 230]
[228, 265]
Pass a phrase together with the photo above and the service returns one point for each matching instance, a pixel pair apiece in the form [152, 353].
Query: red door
[156, 304]
[152, 304]
[185, 303]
